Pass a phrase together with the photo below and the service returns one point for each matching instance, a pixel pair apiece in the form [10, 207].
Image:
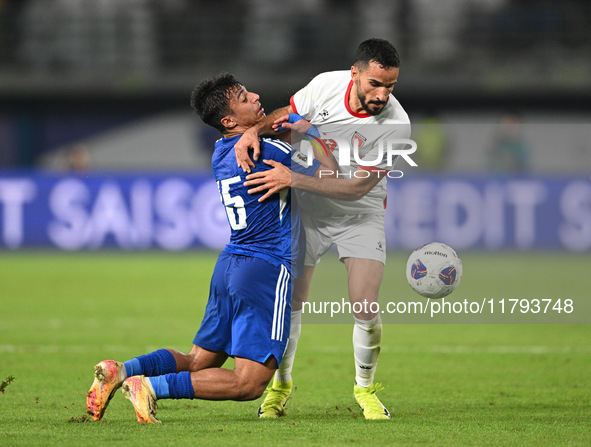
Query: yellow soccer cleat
[140, 394]
[274, 404]
[107, 379]
[369, 403]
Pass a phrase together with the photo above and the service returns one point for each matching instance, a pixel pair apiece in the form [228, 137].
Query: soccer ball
[434, 270]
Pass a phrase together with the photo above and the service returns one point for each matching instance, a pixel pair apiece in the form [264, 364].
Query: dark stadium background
[91, 87]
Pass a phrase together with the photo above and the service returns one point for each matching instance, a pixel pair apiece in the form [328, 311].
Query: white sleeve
[305, 101]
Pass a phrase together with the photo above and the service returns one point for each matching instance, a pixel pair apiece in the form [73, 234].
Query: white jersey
[325, 103]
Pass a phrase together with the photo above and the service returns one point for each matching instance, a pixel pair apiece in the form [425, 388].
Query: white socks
[283, 374]
[367, 336]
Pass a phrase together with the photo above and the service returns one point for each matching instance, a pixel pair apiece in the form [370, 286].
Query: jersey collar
[355, 114]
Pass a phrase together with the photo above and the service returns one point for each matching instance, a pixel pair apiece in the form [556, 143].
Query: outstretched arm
[250, 138]
[336, 188]
[324, 182]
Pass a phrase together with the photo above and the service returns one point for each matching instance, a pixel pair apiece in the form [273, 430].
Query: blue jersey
[262, 230]
[249, 307]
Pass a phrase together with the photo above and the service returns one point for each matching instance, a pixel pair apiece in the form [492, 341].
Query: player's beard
[364, 103]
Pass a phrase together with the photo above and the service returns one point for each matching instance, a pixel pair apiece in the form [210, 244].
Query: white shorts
[359, 236]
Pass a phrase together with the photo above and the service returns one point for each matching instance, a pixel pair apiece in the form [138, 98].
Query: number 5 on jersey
[234, 204]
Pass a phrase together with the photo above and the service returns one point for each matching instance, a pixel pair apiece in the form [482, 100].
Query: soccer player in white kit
[359, 103]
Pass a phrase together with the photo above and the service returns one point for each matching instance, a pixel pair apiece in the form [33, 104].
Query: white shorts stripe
[280, 304]
[275, 310]
[284, 289]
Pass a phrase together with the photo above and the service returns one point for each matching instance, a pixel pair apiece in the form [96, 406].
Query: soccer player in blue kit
[248, 312]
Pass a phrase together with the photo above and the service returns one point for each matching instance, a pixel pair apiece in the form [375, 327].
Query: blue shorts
[248, 313]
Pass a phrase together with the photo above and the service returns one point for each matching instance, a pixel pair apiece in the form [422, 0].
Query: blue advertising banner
[132, 211]
[491, 212]
[125, 211]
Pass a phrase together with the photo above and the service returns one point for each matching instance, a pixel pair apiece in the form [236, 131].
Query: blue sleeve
[284, 153]
[272, 149]
[300, 164]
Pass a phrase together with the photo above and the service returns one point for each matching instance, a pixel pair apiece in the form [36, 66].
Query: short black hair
[377, 50]
[211, 99]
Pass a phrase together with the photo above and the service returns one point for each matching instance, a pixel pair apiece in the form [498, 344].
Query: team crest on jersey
[324, 114]
[358, 140]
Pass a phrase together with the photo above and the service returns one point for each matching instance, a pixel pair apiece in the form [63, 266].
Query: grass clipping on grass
[5, 383]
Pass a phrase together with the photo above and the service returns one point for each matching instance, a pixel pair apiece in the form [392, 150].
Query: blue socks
[156, 363]
[159, 368]
[173, 386]
[160, 387]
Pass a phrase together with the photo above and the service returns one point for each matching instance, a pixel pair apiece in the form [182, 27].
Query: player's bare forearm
[327, 161]
[250, 139]
[299, 125]
[265, 126]
[326, 184]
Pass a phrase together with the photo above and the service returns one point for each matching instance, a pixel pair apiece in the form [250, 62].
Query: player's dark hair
[378, 50]
[211, 99]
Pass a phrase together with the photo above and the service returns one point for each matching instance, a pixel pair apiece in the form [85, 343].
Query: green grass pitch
[446, 384]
